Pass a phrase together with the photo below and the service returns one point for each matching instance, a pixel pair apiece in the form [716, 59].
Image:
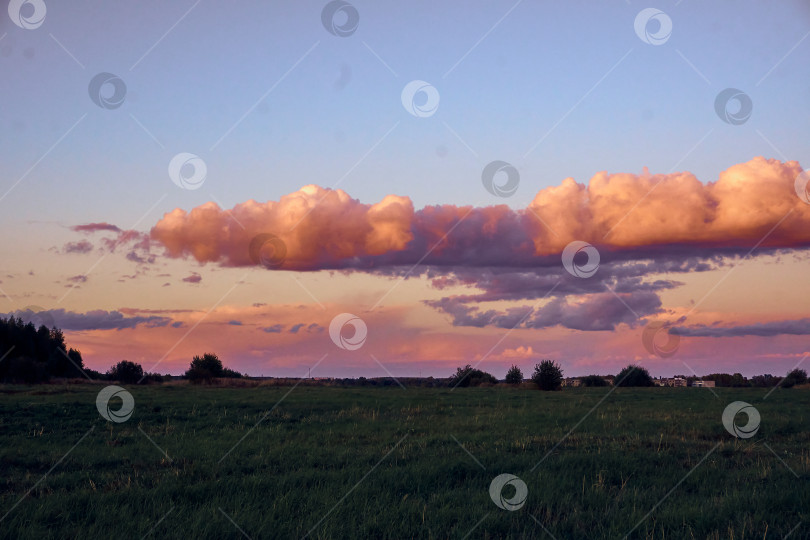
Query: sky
[188, 177]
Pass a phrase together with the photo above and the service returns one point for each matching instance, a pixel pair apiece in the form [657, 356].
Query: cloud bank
[97, 319]
[795, 327]
[626, 216]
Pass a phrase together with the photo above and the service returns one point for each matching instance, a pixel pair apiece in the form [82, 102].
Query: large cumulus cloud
[625, 215]
[643, 225]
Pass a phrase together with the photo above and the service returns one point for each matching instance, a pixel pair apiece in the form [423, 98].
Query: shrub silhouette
[634, 375]
[593, 380]
[469, 376]
[126, 372]
[514, 375]
[796, 376]
[208, 367]
[547, 375]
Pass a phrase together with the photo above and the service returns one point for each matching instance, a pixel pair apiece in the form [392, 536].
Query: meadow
[332, 462]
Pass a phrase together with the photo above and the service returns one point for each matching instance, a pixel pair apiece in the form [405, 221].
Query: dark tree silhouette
[548, 375]
[514, 375]
[769, 381]
[126, 372]
[208, 367]
[796, 376]
[469, 376]
[35, 354]
[593, 380]
[634, 375]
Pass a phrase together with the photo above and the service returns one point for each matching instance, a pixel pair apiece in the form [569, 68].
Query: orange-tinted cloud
[620, 213]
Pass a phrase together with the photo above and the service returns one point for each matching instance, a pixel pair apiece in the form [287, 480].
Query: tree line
[548, 375]
[32, 355]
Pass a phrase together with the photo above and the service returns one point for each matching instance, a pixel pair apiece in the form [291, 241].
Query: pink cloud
[624, 215]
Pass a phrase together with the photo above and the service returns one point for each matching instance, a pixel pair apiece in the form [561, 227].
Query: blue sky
[340, 100]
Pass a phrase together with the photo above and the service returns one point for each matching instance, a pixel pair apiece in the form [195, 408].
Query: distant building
[678, 381]
[572, 381]
[703, 384]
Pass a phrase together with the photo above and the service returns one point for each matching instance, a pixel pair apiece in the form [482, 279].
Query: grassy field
[389, 463]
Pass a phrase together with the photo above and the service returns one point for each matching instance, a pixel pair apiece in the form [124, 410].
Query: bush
[593, 380]
[95, 375]
[208, 367]
[797, 376]
[149, 378]
[204, 368]
[548, 375]
[769, 381]
[230, 374]
[738, 381]
[469, 376]
[634, 375]
[126, 372]
[514, 375]
[26, 370]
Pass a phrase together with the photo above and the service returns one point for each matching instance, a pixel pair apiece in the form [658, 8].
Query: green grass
[383, 463]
